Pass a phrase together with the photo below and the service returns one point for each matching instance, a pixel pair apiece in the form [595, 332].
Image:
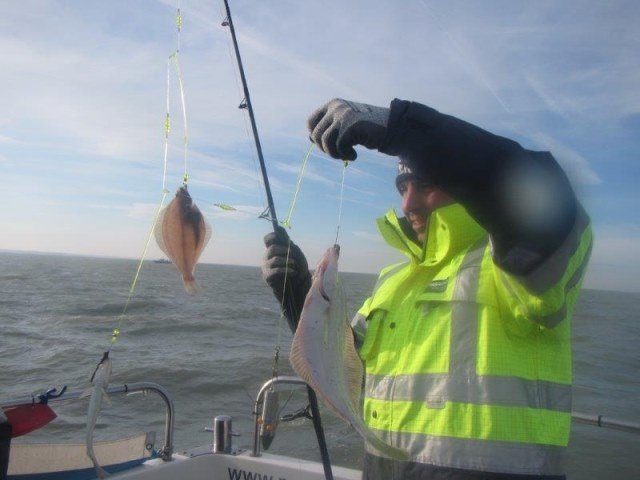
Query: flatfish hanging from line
[182, 233]
[323, 353]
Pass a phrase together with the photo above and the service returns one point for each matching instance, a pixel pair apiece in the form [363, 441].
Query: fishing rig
[173, 59]
[246, 104]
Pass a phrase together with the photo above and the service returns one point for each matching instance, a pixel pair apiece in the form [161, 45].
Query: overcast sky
[84, 87]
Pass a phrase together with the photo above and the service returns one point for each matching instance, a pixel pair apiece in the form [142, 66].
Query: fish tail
[191, 286]
[101, 472]
[385, 448]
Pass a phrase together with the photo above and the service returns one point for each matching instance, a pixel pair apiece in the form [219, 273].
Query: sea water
[214, 351]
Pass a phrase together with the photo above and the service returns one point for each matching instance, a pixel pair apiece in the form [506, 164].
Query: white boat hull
[39, 460]
[216, 466]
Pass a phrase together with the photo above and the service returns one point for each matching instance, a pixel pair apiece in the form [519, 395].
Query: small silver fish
[323, 353]
[100, 380]
[182, 233]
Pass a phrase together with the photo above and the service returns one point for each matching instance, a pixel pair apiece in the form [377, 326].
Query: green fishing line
[344, 169]
[173, 58]
[287, 221]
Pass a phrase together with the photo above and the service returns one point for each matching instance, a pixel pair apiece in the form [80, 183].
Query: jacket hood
[450, 230]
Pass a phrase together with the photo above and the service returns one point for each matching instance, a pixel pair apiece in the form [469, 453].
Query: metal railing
[127, 389]
[578, 417]
[606, 422]
[257, 410]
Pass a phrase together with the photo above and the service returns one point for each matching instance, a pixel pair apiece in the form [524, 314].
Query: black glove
[340, 124]
[277, 265]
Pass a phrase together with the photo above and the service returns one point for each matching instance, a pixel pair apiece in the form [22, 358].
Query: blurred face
[419, 199]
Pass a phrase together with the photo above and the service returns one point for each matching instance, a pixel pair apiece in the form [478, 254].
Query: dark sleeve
[5, 444]
[521, 197]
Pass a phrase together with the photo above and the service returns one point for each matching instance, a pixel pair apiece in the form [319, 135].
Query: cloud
[294, 64]
[310, 173]
[465, 59]
[576, 166]
[8, 140]
[228, 173]
[615, 261]
[83, 108]
[142, 210]
[615, 244]
[368, 236]
[556, 103]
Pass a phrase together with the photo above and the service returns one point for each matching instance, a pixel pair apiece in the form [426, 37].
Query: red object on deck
[29, 417]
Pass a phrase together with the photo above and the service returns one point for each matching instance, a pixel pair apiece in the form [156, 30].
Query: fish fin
[106, 397]
[205, 227]
[297, 357]
[353, 367]
[354, 371]
[192, 287]
[208, 231]
[102, 473]
[158, 232]
[383, 447]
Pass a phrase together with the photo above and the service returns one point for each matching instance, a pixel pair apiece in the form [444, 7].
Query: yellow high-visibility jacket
[468, 366]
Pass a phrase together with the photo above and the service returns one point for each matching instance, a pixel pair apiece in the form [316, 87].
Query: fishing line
[313, 400]
[185, 143]
[242, 105]
[179, 24]
[287, 224]
[344, 169]
[175, 56]
[115, 333]
[287, 221]
[167, 128]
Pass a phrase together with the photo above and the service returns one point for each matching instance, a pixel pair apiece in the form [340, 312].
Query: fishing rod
[228, 22]
[313, 401]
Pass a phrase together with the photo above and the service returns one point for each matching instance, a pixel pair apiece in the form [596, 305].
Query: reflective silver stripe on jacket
[387, 275]
[541, 279]
[436, 389]
[484, 455]
[463, 385]
[464, 316]
[359, 328]
[552, 320]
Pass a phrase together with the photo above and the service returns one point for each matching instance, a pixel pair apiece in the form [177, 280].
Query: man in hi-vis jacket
[466, 345]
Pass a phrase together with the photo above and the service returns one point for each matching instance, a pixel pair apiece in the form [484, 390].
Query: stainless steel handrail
[257, 410]
[579, 417]
[140, 387]
[606, 422]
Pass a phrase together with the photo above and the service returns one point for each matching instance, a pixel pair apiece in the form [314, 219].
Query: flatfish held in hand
[323, 353]
[182, 233]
